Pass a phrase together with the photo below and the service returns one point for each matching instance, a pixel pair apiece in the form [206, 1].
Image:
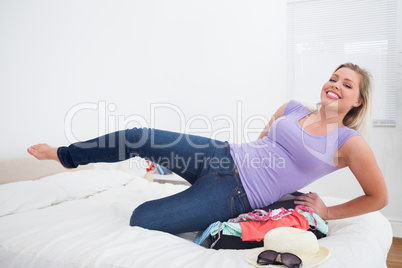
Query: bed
[50, 217]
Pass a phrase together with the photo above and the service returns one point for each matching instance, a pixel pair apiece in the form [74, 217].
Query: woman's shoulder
[294, 106]
[354, 147]
[350, 139]
[345, 134]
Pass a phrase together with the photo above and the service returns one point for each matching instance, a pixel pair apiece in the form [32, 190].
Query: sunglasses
[272, 257]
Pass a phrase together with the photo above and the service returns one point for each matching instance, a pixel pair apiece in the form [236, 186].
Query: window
[326, 33]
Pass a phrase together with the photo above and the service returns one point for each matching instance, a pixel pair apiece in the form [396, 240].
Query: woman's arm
[277, 114]
[358, 156]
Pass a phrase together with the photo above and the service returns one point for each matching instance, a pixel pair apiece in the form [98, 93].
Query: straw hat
[302, 243]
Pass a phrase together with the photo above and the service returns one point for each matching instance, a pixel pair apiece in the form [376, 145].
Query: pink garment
[256, 230]
[262, 215]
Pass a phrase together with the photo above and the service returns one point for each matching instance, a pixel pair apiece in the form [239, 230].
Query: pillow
[81, 184]
[29, 195]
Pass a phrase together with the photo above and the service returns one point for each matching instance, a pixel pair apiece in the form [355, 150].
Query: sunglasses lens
[290, 259]
[267, 257]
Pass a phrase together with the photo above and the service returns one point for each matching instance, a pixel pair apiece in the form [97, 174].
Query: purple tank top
[287, 159]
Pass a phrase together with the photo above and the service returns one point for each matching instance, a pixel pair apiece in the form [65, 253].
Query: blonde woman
[297, 147]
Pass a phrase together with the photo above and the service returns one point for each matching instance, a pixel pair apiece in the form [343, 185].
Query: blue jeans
[216, 193]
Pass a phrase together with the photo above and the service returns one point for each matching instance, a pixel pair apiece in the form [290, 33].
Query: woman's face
[342, 90]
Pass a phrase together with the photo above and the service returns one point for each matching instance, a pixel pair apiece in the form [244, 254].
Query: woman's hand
[313, 202]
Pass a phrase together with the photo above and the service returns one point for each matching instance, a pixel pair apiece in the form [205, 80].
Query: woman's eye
[346, 85]
[332, 80]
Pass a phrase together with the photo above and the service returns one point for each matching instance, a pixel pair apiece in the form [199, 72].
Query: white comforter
[80, 219]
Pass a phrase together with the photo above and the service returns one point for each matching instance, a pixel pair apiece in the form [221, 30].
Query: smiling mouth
[333, 95]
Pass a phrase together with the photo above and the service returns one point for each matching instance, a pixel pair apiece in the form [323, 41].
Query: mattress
[81, 219]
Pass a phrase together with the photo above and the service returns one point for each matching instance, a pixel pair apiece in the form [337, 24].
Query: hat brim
[322, 255]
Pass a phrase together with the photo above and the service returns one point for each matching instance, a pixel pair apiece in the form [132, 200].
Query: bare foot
[44, 151]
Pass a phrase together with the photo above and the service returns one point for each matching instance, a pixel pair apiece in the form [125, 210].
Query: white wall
[200, 56]
[72, 69]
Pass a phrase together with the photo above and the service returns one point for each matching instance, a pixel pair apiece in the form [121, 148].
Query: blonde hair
[359, 118]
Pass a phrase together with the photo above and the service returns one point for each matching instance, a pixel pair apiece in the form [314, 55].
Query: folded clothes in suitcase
[221, 241]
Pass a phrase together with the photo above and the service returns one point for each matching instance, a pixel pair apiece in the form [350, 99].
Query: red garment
[256, 230]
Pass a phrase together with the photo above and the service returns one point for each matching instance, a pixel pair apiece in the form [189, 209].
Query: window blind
[322, 34]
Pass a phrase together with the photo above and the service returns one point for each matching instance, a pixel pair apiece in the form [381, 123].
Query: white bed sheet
[91, 229]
